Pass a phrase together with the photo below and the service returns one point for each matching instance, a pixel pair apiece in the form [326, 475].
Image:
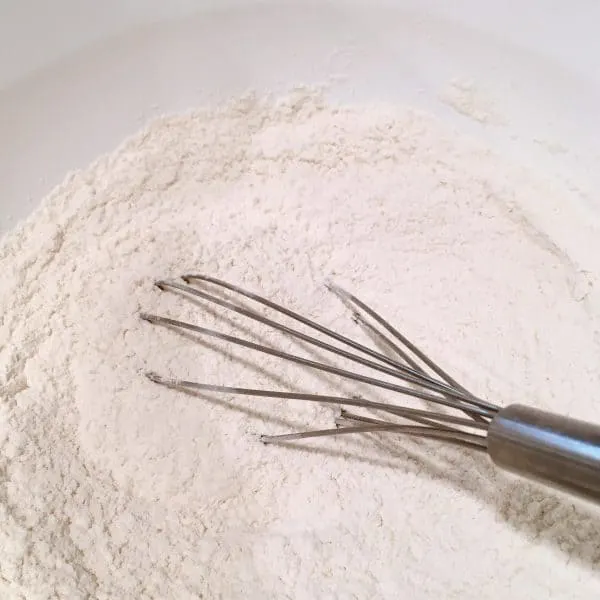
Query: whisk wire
[460, 438]
[473, 407]
[405, 375]
[445, 392]
[352, 299]
[401, 411]
[417, 372]
[346, 416]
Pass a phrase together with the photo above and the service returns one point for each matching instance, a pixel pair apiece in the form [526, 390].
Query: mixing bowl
[76, 77]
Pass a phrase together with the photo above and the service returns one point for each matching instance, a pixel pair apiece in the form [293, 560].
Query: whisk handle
[552, 449]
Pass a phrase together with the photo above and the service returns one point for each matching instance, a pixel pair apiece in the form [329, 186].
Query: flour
[114, 487]
[464, 97]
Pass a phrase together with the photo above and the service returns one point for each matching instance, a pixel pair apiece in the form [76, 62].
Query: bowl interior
[77, 88]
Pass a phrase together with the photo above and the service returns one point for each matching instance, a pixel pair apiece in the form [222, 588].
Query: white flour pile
[114, 487]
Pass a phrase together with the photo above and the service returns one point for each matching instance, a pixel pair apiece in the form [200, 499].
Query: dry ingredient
[112, 487]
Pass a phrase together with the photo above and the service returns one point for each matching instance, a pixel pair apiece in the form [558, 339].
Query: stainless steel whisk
[555, 450]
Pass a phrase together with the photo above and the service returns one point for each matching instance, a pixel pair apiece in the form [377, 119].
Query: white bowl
[77, 76]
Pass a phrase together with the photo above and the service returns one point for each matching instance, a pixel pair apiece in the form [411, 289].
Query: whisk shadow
[542, 515]
[233, 404]
[372, 461]
[573, 529]
[219, 314]
[222, 316]
[249, 412]
[341, 386]
[334, 382]
[248, 363]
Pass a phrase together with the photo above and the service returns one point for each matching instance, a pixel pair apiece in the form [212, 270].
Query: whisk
[555, 450]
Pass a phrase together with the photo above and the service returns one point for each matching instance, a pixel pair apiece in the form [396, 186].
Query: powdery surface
[113, 487]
